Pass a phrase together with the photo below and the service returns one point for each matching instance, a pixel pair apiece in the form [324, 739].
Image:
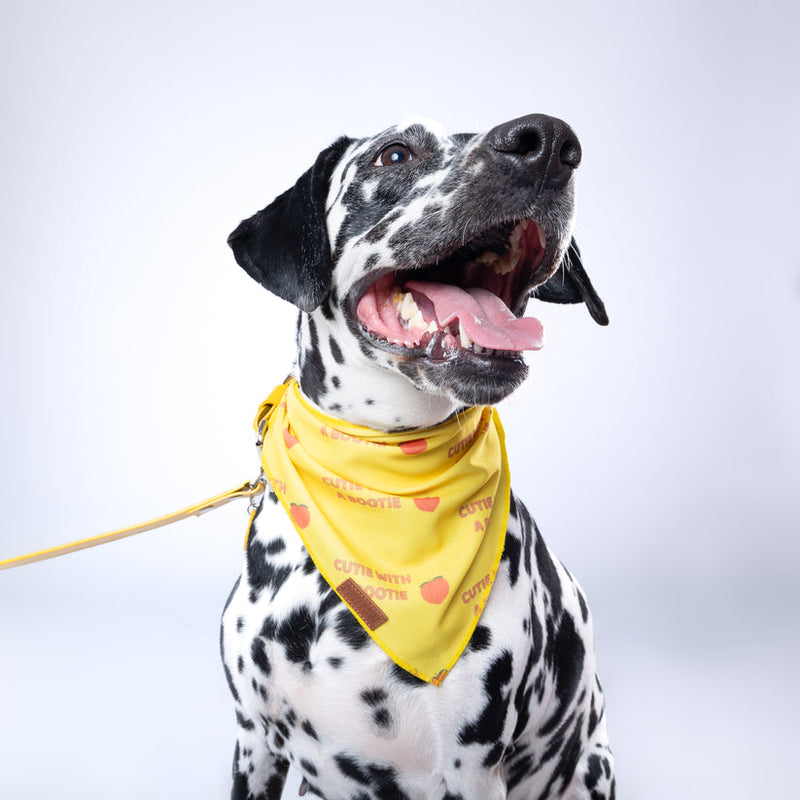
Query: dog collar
[407, 528]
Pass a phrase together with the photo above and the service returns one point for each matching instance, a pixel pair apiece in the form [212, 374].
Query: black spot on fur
[488, 727]
[520, 767]
[366, 350]
[336, 351]
[308, 767]
[312, 367]
[595, 714]
[269, 629]
[568, 657]
[243, 722]
[240, 665]
[374, 697]
[537, 634]
[274, 790]
[523, 696]
[378, 232]
[259, 656]
[240, 789]
[329, 601]
[336, 381]
[584, 607]
[382, 718]
[383, 781]
[322, 584]
[548, 574]
[309, 567]
[350, 631]
[371, 262]
[539, 685]
[296, 633]
[274, 787]
[335, 662]
[326, 308]
[309, 729]
[275, 546]
[511, 554]
[262, 573]
[593, 719]
[493, 756]
[410, 370]
[568, 756]
[481, 638]
[229, 679]
[593, 771]
[350, 767]
[527, 527]
[406, 678]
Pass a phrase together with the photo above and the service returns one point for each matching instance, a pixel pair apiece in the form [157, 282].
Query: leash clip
[257, 487]
[265, 410]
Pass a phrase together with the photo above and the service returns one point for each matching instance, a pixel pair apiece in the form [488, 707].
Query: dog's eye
[393, 154]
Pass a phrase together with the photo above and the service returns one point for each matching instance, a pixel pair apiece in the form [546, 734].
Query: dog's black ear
[570, 284]
[285, 245]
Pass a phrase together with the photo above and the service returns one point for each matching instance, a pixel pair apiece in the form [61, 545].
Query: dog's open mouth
[467, 301]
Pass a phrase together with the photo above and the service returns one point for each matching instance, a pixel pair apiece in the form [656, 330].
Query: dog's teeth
[432, 327]
[465, 340]
[408, 307]
[476, 348]
[417, 322]
[507, 263]
[542, 237]
[489, 258]
[524, 224]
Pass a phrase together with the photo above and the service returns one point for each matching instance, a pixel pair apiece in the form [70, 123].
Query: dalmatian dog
[404, 220]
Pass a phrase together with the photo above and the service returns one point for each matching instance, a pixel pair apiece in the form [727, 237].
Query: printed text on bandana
[377, 592]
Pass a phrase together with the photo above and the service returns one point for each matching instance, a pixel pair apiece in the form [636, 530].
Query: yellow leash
[250, 489]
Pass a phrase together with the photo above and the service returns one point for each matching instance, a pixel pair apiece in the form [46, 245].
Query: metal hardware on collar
[262, 426]
[251, 489]
[259, 486]
[266, 408]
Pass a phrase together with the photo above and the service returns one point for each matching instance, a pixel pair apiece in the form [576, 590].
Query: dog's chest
[307, 672]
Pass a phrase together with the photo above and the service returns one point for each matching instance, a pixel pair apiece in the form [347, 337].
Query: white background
[660, 456]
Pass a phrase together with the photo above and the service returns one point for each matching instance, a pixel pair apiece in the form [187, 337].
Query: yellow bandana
[407, 528]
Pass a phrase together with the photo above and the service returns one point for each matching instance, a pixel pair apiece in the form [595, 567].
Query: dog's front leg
[258, 774]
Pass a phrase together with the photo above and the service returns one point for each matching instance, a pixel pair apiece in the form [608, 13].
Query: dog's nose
[545, 146]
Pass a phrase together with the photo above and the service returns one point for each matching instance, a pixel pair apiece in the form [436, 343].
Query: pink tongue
[483, 315]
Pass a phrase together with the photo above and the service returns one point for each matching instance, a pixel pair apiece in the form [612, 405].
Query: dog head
[425, 249]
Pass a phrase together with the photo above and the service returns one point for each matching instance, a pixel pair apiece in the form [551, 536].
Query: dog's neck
[346, 382]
